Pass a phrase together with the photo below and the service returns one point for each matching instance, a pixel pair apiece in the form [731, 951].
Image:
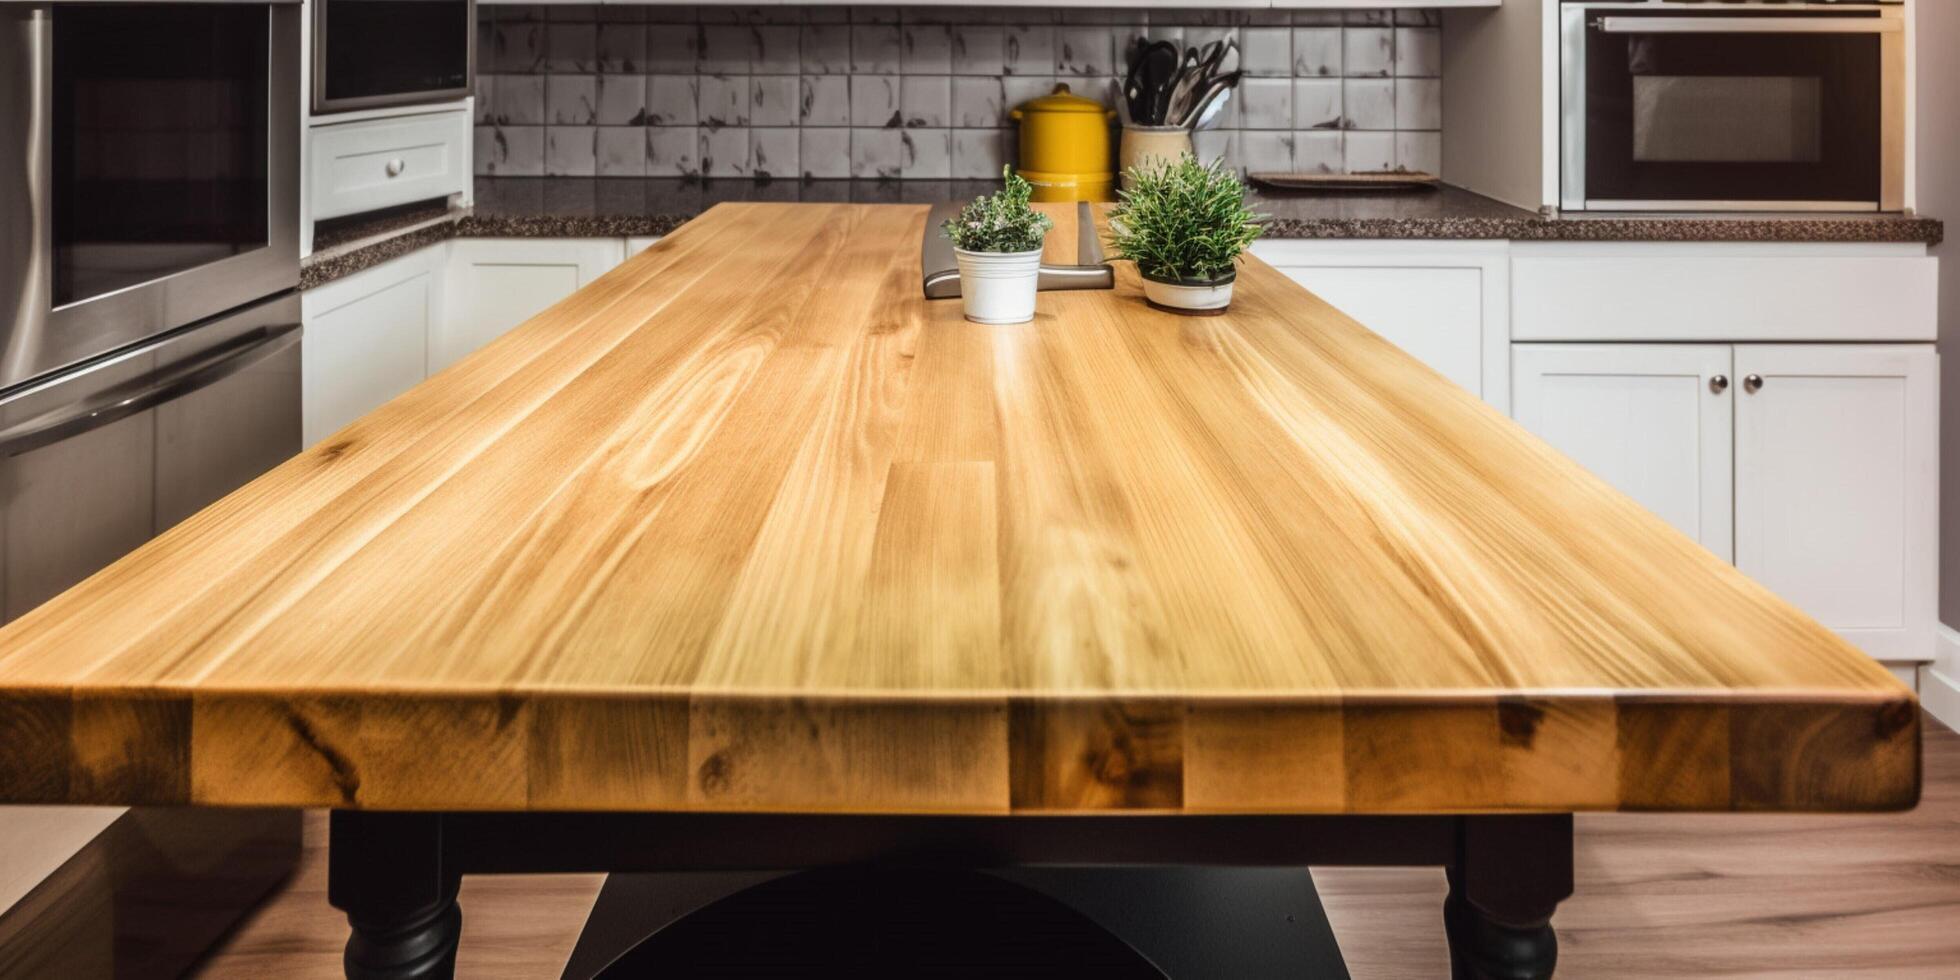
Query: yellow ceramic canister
[1065, 147]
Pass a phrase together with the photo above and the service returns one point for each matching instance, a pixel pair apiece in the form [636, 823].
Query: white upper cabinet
[1654, 421]
[1837, 487]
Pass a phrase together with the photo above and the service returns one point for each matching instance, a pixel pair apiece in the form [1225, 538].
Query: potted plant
[1184, 224]
[997, 241]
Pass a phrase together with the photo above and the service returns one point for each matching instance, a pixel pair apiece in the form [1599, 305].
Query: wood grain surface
[748, 525]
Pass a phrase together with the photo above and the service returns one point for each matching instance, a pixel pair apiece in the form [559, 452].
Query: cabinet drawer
[1717, 295]
[378, 163]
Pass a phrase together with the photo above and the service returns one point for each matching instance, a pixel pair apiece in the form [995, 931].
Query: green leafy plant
[1000, 222]
[1182, 220]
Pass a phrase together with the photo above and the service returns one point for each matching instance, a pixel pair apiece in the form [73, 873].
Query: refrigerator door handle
[120, 402]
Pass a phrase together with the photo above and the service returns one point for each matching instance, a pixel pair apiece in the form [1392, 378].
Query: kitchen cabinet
[1836, 486]
[638, 244]
[366, 339]
[1813, 467]
[1655, 421]
[1446, 303]
[492, 285]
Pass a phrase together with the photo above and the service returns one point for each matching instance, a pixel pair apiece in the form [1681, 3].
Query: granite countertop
[583, 207]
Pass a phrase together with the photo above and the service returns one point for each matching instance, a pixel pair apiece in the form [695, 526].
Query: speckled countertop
[576, 207]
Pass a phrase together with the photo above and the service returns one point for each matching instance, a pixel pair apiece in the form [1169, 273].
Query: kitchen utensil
[1395, 180]
[941, 265]
[1209, 100]
[1065, 150]
[1151, 70]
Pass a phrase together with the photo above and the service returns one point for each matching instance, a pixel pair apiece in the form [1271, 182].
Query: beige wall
[1493, 89]
[1939, 196]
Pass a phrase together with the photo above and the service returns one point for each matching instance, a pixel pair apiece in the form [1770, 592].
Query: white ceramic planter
[998, 287]
[1188, 297]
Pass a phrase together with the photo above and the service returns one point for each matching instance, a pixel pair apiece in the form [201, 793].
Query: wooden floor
[1662, 896]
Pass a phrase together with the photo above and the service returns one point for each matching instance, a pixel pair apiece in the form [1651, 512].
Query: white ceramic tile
[1368, 103]
[976, 49]
[826, 100]
[774, 152]
[571, 100]
[926, 101]
[1084, 52]
[1368, 52]
[926, 49]
[1419, 151]
[520, 100]
[874, 101]
[622, 100]
[1029, 49]
[1266, 51]
[1316, 103]
[673, 100]
[1265, 103]
[725, 152]
[1319, 151]
[486, 153]
[824, 152]
[622, 151]
[774, 100]
[977, 103]
[673, 151]
[1316, 51]
[570, 151]
[571, 48]
[726, 49]
[826, 49]
[622, 48]
[723, 100]
[1367, 152]
[1263, 150]
[1217, 146]
[978, 154]
[876, 153]
[926, 154]
[672, 49]
[1419, 51]
[1418, 103]
[875, 49]
[778, 50]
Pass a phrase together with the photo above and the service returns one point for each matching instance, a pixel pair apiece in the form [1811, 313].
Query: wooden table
[746, 555]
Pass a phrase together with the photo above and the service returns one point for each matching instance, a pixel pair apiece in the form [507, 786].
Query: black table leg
[387, 871]
[1509, 875]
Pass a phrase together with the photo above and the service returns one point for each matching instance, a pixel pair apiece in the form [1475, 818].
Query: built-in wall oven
[149, 260]
[370, 53]
[1732, 106]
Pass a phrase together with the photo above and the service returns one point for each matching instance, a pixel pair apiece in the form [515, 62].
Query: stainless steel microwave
[1732, 106]
[371, 53]
[149, 171]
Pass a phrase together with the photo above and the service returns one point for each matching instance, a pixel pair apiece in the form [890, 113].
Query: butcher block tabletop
[748, 525]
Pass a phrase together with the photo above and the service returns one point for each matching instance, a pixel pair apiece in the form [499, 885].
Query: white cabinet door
[638, 244]
[366, 339]
[1655, 421]
[494, 284]
[1837, 486]
[1446, 303]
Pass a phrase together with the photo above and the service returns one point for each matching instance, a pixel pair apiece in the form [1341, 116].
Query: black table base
[396, 874]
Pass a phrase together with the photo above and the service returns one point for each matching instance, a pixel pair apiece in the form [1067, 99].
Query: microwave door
[1681, 112]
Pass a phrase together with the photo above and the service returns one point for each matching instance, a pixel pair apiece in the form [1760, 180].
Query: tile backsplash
[923, 92]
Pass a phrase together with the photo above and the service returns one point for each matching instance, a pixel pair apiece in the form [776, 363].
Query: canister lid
[1062, 100]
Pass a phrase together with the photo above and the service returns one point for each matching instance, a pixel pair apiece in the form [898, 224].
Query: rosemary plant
[1182, 220]
[1000, 222]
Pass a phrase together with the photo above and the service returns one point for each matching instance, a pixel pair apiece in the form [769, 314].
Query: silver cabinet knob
[395, 167]
[1718, 383]
[1752, 383]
